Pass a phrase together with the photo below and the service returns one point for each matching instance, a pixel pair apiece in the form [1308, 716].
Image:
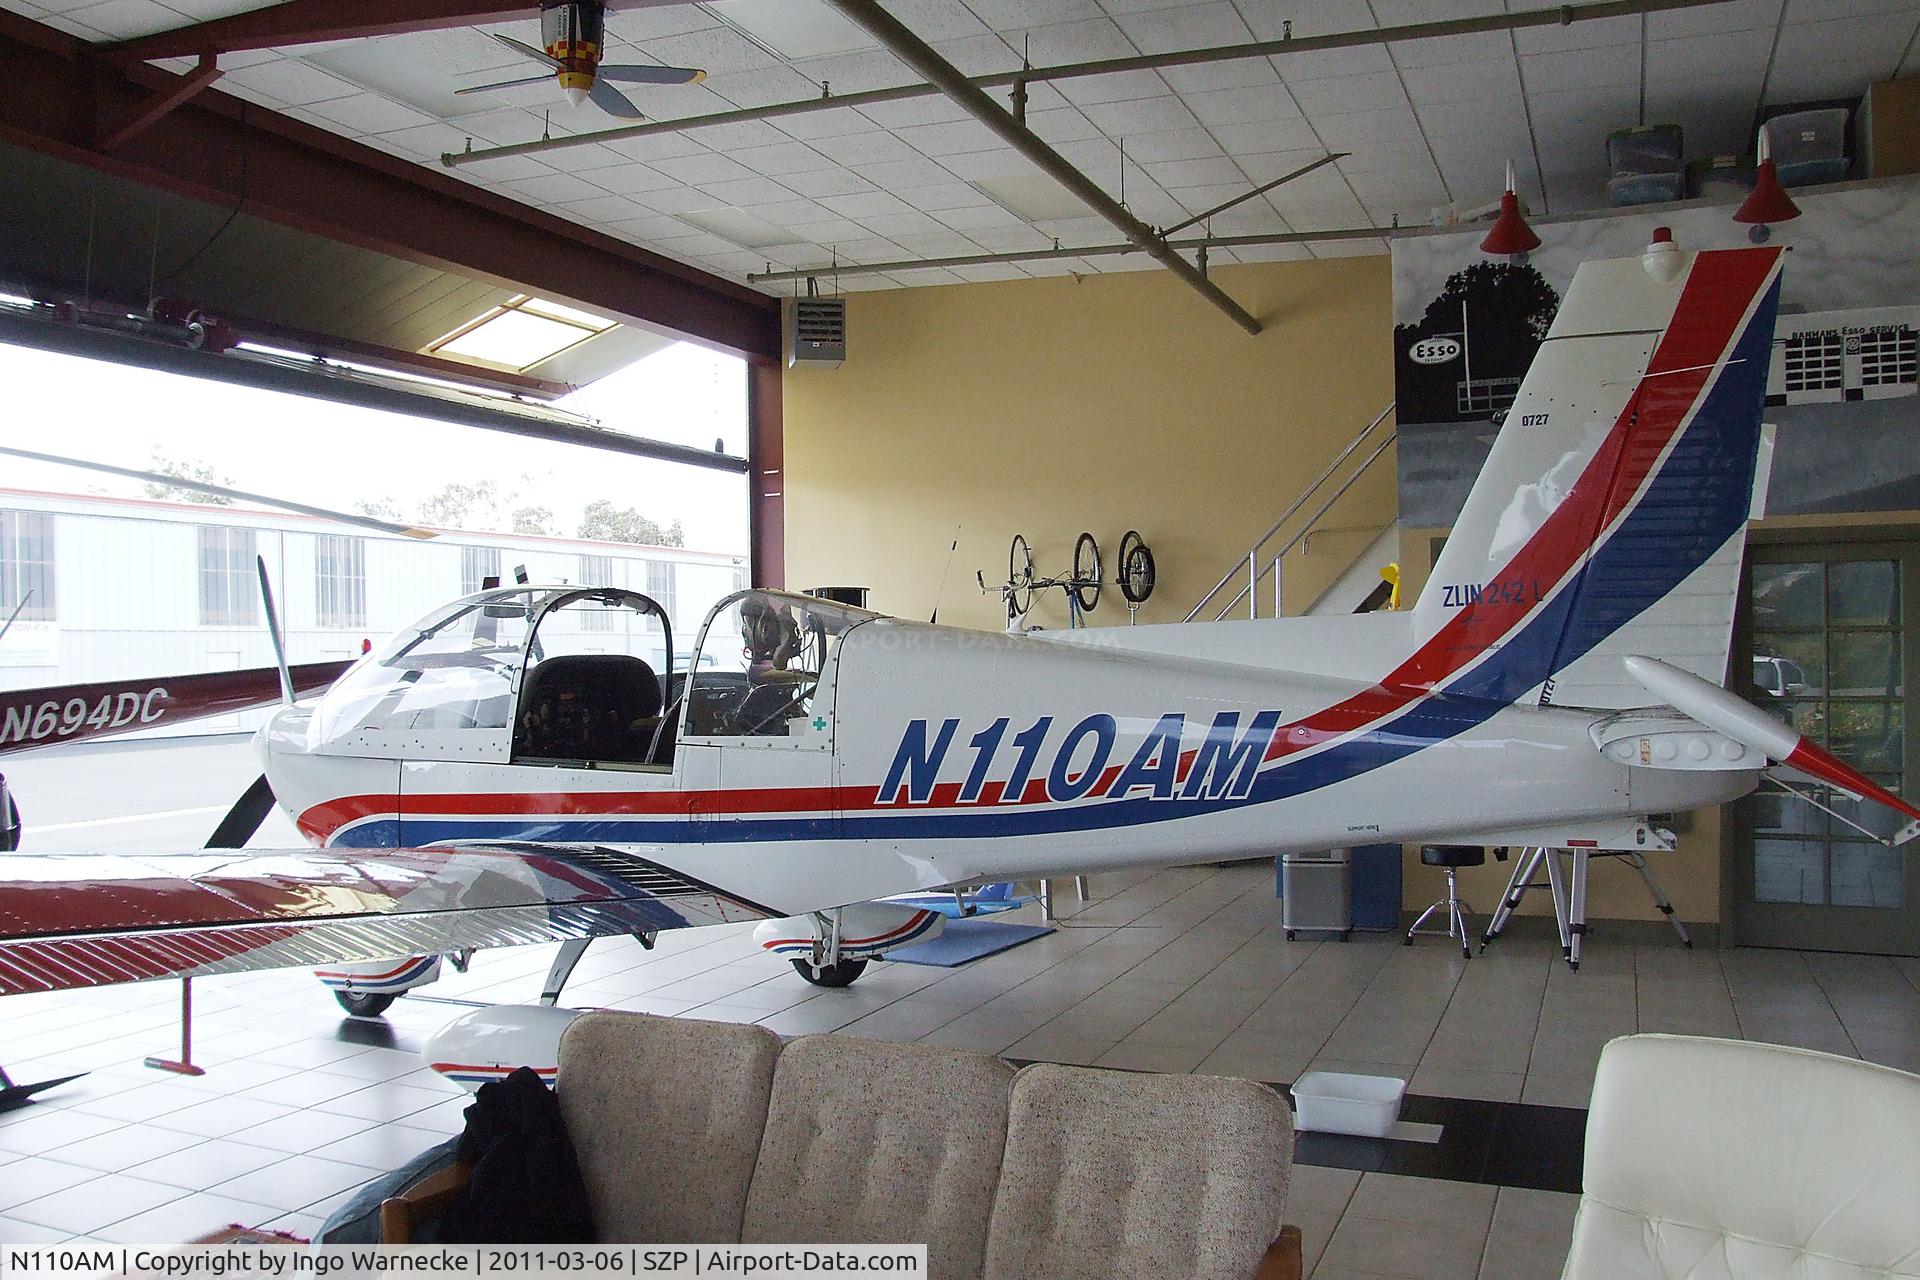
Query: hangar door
[1831, 650]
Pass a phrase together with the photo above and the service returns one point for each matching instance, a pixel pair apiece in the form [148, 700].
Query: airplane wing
[69, 713]
[83, 920]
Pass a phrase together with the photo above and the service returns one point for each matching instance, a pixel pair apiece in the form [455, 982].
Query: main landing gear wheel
[1086, 572]
[834, 975]
[366, 1004]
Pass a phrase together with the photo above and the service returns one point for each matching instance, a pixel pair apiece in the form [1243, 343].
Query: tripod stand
[1569, 892]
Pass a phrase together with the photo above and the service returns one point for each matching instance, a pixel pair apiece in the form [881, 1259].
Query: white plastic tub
[1335, 1102]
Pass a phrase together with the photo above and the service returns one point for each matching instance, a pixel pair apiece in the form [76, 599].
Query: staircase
[1292, 530]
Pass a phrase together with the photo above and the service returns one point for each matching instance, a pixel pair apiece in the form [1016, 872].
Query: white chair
[1724, 1160]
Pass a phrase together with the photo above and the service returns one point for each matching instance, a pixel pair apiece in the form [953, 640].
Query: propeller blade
[248, 812]
[273, 630]
[221, 491]
[632, 74]
[612, 101]
[526, 50]
[505, 84]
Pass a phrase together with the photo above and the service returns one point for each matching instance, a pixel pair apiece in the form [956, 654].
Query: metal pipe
[1562, 15]
[1287, 515]
[1090, 251]
[1260, 190]
[918, 54]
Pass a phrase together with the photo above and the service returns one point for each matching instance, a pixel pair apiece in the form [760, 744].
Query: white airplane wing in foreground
[80, 920]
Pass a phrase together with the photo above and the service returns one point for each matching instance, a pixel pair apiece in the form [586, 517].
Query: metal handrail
[1252, 559]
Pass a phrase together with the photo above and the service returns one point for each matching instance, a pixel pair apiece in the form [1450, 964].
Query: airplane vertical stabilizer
[1611, 514]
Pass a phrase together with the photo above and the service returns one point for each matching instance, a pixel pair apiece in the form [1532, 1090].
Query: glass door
[1829, 650]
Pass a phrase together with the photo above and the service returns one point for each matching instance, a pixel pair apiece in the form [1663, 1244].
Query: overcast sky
[335, 455]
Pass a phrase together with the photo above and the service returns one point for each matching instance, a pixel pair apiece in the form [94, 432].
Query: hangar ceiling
[1427, 123]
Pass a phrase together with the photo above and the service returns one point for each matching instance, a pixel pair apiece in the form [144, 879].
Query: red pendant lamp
[1768, 202]
[1510, 235]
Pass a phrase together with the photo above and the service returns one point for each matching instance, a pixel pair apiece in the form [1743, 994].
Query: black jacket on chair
[526, 1186]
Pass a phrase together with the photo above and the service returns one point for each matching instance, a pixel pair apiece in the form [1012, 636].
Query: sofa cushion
[1712, 1159]
[1109, 1174]
[868, 1141]
[665, 1115]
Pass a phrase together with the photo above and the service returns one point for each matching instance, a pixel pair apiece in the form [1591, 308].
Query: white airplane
[513, 769]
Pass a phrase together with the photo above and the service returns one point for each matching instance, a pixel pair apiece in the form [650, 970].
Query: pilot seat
[593, 707]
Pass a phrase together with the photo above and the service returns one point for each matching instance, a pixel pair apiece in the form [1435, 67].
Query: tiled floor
[1183, 970]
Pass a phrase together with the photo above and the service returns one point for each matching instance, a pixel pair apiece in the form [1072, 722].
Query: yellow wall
[1105, 403]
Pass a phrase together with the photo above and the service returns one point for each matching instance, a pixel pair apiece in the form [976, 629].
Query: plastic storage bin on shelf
[1643, 188]
[1648, 148]
[1719, 178]
[1336, 1102]
[1809, 146]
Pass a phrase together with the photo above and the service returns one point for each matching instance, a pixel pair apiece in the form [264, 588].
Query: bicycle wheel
[1086, 572]
[1020, 575]
[1136, 568]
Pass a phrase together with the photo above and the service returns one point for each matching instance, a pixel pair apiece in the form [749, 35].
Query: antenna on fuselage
[944, 571]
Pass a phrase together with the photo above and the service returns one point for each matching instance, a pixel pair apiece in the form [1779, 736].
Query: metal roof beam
[918, 54]
[298, 22]
[231, 153]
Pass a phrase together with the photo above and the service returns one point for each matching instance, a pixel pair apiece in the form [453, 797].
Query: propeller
[612, 101]
[526, 50]
[256, 802]
[631, 73]
[221, 491]
[599, 91]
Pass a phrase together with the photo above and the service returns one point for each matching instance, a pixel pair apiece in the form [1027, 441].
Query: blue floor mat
[971, 939]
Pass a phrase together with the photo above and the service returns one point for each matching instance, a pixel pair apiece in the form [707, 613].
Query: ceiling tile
[1385, 157]
[1842, 53]
[652, 227]
[731, 138]
[1498, 81]
[978, 56]
[826, 182]
[824, 124]
[950, 139]
[710, 167]
[865, 204]
[629, 178]
[789, 213]
[1141, 115]
[1010, 238]
[892, 175]
[1439, 51]
[863, 148]
[745, 193]
[988, 272]
[370, 113]
[857, 72]
[973, 166]
[940, 243]
[936, 21]
[934, 108]
[831, 232]
[1318, 64]
[1119, 87]
[762, 87]
[1376, 92]
[504, 169]
[980, 218]
[1270, 101]
[782, 158]
[675, 200]
[1258, 139]
[1176, 174]
[1070, 42]
[643, 25]
[1355, 130]
[291, 81]
[603, 208]
[948, 195]
[870, 249]
[1582, 69]
[910, 222]
[716, 50]
[1068, 124]
[656, 146]
[1725, 53]
[1205, 77]
[552, 188]
[1191, 26]
[126, 19]
[1741, 15]
[1004, 14]
[1178, 144]
[427, 141]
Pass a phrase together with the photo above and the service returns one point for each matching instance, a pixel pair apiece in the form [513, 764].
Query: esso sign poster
[1434, 351]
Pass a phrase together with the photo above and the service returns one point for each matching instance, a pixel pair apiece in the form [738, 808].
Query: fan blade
[631, 74]
[248, 812]
[526, 50]
[221, 491]
[505, 84]
[612, 101]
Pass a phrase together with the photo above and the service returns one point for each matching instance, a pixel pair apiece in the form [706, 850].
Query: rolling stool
[1452, 857]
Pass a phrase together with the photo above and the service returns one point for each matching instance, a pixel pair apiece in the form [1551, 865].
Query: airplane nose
[576, 96]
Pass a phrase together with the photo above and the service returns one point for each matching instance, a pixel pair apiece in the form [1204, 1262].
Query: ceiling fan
[574, 32]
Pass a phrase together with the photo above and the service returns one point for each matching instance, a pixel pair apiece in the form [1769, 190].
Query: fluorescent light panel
[1034, 196]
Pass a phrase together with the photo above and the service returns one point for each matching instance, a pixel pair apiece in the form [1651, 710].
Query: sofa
[1725, 1160]
[703, 1132]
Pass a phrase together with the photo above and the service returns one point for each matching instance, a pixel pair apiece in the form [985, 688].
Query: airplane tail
[1611, 515]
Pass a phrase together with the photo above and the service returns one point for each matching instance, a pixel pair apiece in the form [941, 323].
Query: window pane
[26, 565]
[1789, 662]
[1789, 871]
[1865, 734]
[1787, 595]
[1867, 875]
[1781, 813]
[1864, 664]
[1863, 593]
